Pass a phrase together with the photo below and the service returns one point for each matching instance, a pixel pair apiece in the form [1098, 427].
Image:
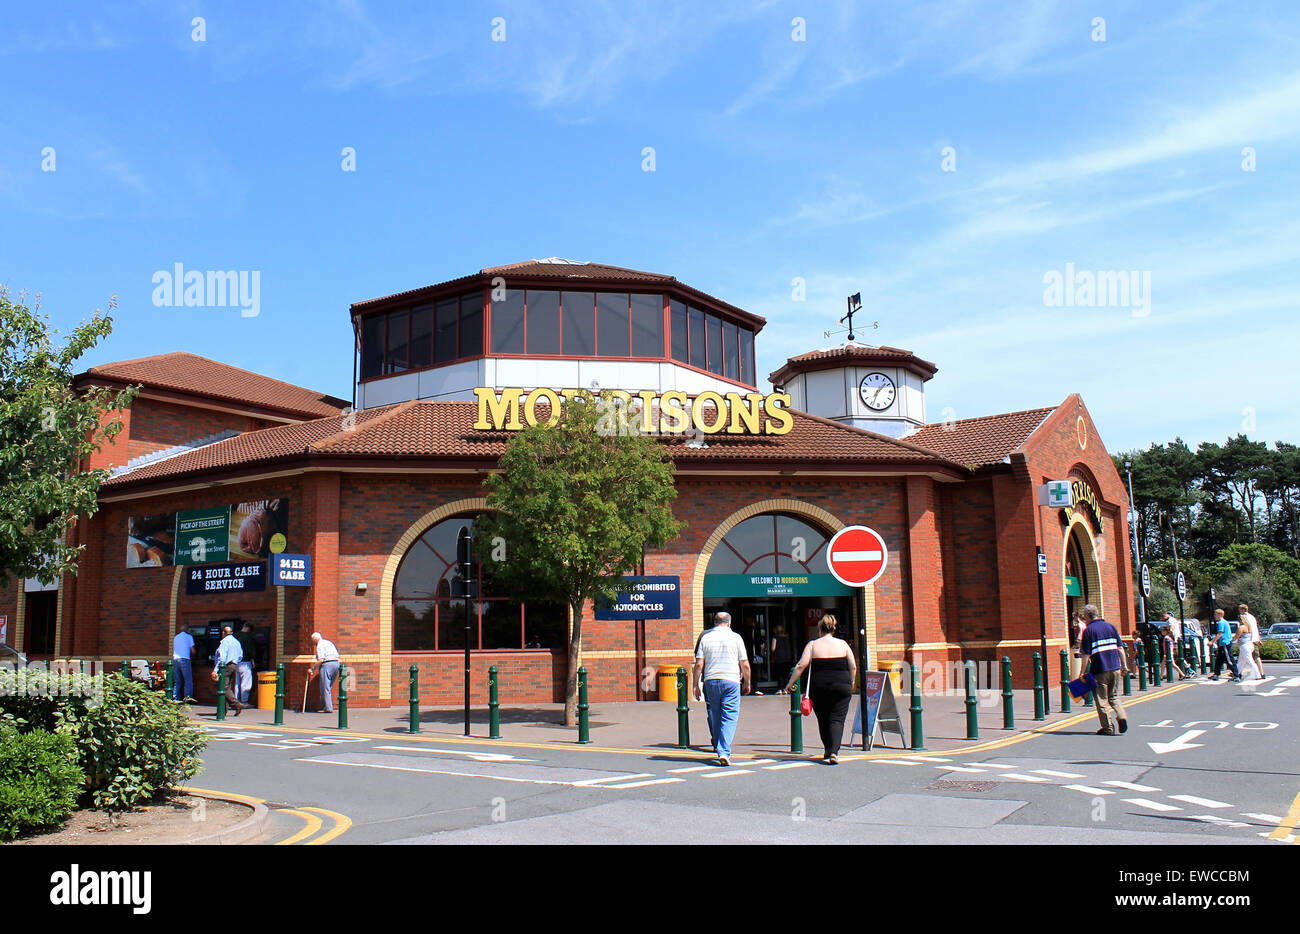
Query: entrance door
[759, 623]
[42, 610]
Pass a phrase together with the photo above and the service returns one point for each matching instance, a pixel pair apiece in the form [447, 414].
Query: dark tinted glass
[754, 538]
[697, 338]
[421, 336]
[611, 324]
[730, 350]
[543, 321]
[647, 326]
[444, 335]
[794, 537]
[508, 323]
[471, 324]
[502, 624]
[677, 312]
[396, 357]
[747, 357]
[715, 345]
[579, 323]
[372, 346]
[413, 626]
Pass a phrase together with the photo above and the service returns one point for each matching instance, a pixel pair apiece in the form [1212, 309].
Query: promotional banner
[227, 532]
[150, 540]
[203, 535]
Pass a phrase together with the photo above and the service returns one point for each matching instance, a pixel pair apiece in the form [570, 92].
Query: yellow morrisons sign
[670, 413]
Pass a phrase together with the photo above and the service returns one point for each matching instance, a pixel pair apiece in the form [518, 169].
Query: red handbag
[805, 705]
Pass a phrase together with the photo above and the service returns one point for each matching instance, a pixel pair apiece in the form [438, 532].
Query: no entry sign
[857, 555]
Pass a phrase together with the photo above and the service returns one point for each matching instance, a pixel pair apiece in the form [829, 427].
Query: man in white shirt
[721, 676]
[229, 655]
[183, 665]
[327, 660]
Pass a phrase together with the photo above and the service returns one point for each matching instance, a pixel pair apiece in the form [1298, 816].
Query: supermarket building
[218, 469]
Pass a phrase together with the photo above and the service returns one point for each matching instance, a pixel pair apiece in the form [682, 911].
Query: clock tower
[880, 389]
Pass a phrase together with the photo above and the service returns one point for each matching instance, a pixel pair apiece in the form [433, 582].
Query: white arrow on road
[1289, 683]
[1273, 693]
[1179, 744]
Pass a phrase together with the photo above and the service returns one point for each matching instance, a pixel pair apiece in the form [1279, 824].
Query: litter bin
[895, 670]
[265, 690]
[668, 683]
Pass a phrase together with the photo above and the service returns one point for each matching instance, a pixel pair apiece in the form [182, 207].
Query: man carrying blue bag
[1102, 654]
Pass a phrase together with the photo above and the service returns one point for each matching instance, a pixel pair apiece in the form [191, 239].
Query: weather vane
[855, 305]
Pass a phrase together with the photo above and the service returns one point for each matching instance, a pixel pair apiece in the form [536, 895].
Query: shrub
[132, 743]
[39, 779]
[1273, 649]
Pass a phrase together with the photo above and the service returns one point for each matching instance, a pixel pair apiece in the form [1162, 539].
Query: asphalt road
[1210, 763]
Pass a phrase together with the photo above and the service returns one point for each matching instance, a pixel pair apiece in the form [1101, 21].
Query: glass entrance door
[759, 626]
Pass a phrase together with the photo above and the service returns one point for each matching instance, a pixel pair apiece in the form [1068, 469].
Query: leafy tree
[577, 504]
[1266, 579]
[47, 430]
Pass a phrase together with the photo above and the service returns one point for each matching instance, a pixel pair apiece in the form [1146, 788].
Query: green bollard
[1140, 650]
[1155, 663]
[494, 705]
[584, 728]
[413, 677]
[796, 719]
[972, 716]
[279, 694]
[1169, 666]
[171, 675]
[1128, 673]
[126, 669]
[343, 697]
[1040, 692]
[918, 734]
[683, 711]
[221, 692]
[1203, 653]
[1065, 681]
[1008, 697]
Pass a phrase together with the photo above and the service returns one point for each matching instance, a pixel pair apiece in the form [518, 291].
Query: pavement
[1203, 763]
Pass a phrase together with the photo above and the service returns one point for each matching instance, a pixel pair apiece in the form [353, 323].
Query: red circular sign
[857, 555]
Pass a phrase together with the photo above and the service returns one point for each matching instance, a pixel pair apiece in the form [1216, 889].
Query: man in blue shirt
[229, 655]
[1100, 649]
[1222, 633]
[182, 665]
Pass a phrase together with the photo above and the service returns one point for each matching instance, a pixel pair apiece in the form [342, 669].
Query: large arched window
[771, 543]
[427, 618]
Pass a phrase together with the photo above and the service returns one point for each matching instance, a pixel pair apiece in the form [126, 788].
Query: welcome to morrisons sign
[671, 413]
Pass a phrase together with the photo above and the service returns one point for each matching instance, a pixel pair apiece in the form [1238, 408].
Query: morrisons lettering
[670, 413]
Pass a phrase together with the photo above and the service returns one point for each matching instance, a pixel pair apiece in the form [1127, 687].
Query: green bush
[132, 743]
[1273, 649]
[39, 779]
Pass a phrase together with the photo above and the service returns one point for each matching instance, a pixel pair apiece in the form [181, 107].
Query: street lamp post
[1137, 548]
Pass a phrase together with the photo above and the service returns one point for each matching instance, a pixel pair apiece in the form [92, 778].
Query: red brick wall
[156, 425]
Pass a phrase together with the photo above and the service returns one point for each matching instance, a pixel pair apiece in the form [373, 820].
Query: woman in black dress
[830, 687]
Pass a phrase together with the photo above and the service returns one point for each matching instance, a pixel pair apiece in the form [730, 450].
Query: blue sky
[821, 160]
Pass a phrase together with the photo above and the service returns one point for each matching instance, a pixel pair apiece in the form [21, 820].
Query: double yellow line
[314, 819]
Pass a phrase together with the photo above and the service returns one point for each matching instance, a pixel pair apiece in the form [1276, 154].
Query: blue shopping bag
[1083, 686]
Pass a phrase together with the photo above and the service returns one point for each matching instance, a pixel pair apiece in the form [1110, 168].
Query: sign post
[857, 555]
[465, 561]
[1181, 583]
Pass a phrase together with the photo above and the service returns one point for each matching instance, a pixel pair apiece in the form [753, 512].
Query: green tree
[1266, 579]
[577, 504]
[47, 431]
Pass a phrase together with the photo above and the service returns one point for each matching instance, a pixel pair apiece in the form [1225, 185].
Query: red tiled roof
[983, 441]
[563, 272]
[852, 353]
[444, 431]
[195, 375]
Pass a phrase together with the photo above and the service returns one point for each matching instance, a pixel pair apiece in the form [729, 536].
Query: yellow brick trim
[278, 645]
[58, 621]
[829, 523]
[418, 528]
[175, 601]
[20, 617]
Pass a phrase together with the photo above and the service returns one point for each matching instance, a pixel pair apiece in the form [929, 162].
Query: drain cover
[946, 785]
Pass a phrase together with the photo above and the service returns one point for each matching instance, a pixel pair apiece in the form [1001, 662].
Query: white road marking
[722, 772]
[1289, 683]
[924, 758]
[958, 768]
[1088, 789]
[795, 765]
[1211, 819]
[1021, 778]
[1057, 774]
[1200, 802]
[341, 739]
[994, 765]
[618, 778]
[1152, 805]
[477, 756]
[893, 762]
[695, 768]
[279, 746]
[1178, 744]
[428, 771]
[1267, 818]
[1131, 786]
[758, 761]
[657, 781]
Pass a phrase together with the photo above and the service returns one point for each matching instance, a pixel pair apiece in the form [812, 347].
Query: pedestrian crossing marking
[1200, 802]
[695, 768]
[924, 758]
[1088, 789]
[1221, 821]
[1267, 818]
[613, 778]
[893, 762]
[721, 772]
[657, 781]
[1022, 778]
[958, 768]
[1152, 805]
[801, 765]
[994, 765]
[1131, 786]
[1057, 774]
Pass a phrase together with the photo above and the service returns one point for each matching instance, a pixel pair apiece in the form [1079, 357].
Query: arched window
[426, 618]
[772, 543]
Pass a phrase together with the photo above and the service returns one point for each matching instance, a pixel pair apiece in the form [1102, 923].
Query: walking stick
[305, 685]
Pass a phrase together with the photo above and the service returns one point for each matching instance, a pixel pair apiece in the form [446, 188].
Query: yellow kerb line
[314, 824]
[341, 824]
[1290, 823]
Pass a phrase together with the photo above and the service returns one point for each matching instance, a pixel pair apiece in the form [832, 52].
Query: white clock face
[877, 391]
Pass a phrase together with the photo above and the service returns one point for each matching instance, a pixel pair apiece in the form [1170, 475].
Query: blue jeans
[723, 701]
[182, 679]
[329, 673]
